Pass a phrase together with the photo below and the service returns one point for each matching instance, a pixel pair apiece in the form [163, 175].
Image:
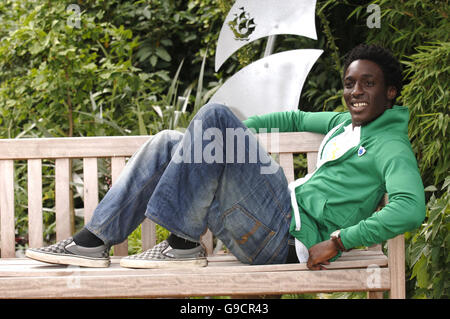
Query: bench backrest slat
[74, 147]
[90, 189]
[80, 147]
[286, 160]
[89, 149]
[117, 165]
[7, 235]
[62, 199]
[311, 158]
[35, 216]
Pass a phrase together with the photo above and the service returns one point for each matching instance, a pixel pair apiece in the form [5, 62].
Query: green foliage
[66, 81]
[140, 66]
[57, 79]
[428, 253]
[99, 79]
[427, 96]
[408, 24]
[135, 239]
[417, 32]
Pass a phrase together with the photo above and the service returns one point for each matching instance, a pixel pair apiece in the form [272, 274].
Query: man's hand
[320, 253]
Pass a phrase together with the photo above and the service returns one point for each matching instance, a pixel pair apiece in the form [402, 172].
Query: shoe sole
[68, 259]
[163, 264]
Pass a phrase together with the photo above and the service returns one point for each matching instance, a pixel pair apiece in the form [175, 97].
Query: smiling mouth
[359, 105]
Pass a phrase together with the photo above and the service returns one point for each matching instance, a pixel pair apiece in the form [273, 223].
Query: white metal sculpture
[273, 83]
[249, 20]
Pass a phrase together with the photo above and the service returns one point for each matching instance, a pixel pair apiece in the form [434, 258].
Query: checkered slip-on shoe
[66, 252]
[164, 256]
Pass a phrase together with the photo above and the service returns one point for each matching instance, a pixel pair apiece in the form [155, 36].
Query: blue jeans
[201, 179]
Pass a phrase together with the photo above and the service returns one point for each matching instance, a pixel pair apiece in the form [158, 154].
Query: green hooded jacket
[344, 193]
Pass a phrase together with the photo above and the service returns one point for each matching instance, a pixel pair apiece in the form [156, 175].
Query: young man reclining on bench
[188, 183]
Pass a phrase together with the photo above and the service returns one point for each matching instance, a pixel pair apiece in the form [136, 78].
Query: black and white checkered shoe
[164, 256]
[66, 252]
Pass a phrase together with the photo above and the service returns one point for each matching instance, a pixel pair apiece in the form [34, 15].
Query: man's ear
[391, 93]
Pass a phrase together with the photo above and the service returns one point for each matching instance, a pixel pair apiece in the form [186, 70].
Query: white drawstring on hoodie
[328, 151]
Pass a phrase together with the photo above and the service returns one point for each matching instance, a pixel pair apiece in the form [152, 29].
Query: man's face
[365, 92]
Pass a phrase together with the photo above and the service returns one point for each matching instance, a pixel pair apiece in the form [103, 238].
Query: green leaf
[153, 60]
[199, 95]
[147, 13]
[171, 92]
[420, 272]
[90, 67]
[163, 54]
[144, 52]
[446, 183]
[142, 128]
[36, 48]
[431, 188]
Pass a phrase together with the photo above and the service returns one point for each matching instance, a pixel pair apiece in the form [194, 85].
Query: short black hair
[388, 63]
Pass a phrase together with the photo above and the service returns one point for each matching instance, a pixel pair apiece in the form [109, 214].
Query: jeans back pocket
[248, 234]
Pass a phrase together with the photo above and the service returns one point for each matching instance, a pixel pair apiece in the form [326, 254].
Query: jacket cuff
[346, 238]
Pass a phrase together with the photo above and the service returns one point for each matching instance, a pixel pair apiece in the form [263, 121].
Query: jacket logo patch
[361, 151]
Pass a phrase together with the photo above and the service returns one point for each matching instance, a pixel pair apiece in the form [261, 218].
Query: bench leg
[396, 260]
[208, 242]
[374, 295]
[121, 249]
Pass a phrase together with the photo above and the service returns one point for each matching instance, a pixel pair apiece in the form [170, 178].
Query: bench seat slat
[214, 281]
[17, 267]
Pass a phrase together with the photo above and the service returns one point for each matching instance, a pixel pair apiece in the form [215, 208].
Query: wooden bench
[358, 270]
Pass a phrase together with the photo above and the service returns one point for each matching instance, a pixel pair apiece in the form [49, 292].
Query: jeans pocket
[248, 234]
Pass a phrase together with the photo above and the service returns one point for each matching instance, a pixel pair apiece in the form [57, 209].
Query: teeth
[360, 104]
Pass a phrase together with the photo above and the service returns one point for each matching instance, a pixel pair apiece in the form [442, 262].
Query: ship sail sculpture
[273, 83]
